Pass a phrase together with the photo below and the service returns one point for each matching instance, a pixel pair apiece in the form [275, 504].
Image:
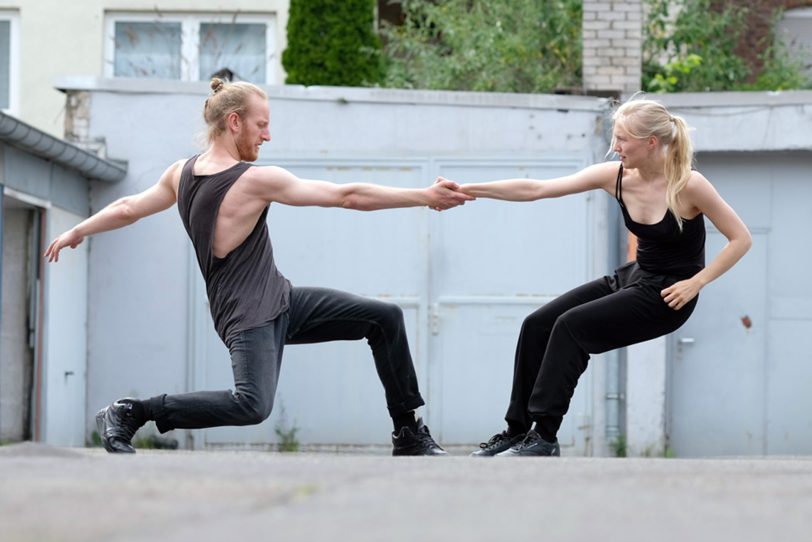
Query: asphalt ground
[86, 495]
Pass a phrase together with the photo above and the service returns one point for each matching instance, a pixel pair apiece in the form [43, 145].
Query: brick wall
[612, 34]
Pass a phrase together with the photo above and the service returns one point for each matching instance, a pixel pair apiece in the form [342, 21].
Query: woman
[663, 203]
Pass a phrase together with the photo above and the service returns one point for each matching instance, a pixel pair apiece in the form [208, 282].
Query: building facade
[41, 40]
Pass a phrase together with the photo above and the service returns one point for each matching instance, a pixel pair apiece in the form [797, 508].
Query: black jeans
[556, 340]
[315, 315]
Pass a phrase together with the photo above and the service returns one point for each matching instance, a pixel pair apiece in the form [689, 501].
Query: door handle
[686, 340]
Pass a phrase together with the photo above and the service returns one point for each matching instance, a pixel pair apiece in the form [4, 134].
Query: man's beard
[247, 150]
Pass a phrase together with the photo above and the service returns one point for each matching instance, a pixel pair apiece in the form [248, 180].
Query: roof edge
[344, 95]
[34, 141]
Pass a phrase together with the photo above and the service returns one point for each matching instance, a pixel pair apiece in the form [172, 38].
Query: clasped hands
[445, 194]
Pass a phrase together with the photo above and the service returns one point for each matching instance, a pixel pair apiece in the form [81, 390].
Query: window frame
[13, 18]
[190, 38]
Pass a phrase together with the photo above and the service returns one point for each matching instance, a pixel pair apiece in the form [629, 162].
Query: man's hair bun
[217, 85]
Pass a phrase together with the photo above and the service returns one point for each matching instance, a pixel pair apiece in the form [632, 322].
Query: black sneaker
[498, 443]
[408, 442]
[532, 445]
[117, 424]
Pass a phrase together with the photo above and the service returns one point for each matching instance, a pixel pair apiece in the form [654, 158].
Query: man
[223, 201]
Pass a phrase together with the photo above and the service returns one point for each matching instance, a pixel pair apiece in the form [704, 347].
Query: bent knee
[256, 416]
[389, 315]
[574, 323]
[568, 320]
[255, 411]
[538, 322]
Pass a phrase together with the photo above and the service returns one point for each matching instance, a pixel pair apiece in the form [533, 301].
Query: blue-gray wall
[147, 321]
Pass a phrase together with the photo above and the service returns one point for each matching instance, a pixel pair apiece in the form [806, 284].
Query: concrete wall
[76, 40]
[745, 121]
[138, 321]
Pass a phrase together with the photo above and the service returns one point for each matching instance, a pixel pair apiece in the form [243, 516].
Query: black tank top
[245, 289]
[662, 248]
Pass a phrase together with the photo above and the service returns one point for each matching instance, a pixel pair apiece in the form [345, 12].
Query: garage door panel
[789, 413]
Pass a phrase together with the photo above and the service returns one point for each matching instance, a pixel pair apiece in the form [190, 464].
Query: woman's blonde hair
[645, 118]
[227, 98]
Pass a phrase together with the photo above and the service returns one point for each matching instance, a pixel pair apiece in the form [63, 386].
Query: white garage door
[465, 278]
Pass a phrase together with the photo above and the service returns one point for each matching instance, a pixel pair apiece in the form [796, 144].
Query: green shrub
[783, 70]
[689, 46]
[486, 45]
[694, 50]
[618, 446]
[332, 42]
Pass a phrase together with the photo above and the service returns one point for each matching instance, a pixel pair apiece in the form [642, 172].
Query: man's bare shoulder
[172, 174]
[269, 174]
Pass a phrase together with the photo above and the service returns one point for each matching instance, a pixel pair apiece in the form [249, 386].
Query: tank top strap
[618, 186]
[187, 172]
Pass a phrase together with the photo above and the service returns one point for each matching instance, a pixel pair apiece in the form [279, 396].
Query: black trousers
[315, 315]
[556, 340]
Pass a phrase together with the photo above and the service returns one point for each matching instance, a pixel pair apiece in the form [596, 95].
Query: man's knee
[255, 410]
[257, 414]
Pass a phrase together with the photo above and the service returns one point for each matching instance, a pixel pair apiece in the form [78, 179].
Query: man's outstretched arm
[277, 184]
[120, 213]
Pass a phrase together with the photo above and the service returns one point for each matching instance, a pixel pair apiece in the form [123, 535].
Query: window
[147, 50]
[238, 47]
[8, 62]
[190, 47]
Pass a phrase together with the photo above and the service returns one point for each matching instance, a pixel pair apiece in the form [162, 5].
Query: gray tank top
[245, 289]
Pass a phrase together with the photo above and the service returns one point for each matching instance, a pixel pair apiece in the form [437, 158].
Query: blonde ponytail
[678, 162]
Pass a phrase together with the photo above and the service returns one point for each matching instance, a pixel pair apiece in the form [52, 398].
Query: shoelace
[494, 440]
[425, 437]
[527, 441]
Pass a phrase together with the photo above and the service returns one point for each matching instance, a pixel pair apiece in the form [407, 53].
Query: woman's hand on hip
[680, 293]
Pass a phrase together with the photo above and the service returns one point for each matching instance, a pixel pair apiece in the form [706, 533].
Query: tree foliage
[535, 46]
[691, 45]
[783, 69]
[332, 42]
[485, 45]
